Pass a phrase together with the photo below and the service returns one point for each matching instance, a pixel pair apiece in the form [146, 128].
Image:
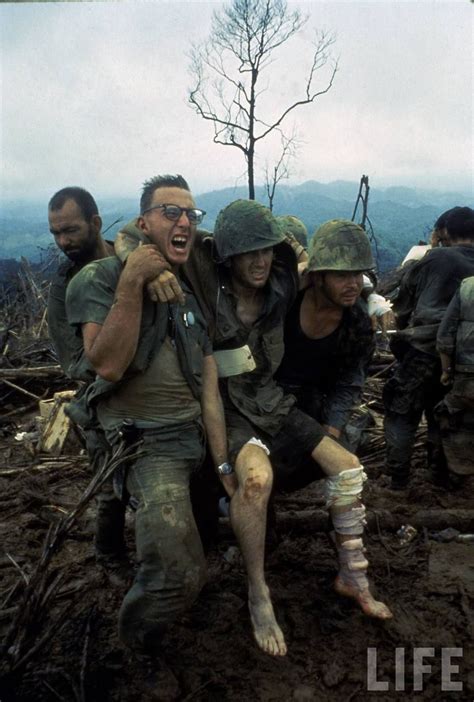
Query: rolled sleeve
[91, 292]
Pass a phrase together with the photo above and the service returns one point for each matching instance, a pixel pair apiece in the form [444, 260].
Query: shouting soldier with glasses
[157, 377]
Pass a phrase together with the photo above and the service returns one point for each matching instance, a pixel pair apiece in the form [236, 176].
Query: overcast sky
[95, 94]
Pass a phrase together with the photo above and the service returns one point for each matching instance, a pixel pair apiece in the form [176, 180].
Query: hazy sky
[95, 94]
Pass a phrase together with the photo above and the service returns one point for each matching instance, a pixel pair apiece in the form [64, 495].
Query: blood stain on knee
[252, 487]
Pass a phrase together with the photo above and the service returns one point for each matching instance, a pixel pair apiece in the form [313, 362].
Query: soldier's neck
[249, 302]
[321, 303]
[103, 249]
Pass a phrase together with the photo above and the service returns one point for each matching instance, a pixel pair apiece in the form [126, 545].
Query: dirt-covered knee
[257, 484]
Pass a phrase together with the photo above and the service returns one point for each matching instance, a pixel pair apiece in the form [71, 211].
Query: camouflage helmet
[294, 227]
[243, 226]
[340, 245]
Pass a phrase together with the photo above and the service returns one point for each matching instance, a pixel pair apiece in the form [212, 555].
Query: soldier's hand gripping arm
[165, 287]
[332, 431]
[299, 249]
[214, 422]
[447, 369]
[111, 346]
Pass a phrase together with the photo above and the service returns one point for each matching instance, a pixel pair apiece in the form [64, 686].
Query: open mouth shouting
[179, 247]
[179, 242]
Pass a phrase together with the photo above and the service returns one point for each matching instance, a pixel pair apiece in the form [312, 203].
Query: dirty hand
[125, 243]
[332, 431]
[300, 251]
[230, 483]
[166, 288]
[446, 378]
[145, 263]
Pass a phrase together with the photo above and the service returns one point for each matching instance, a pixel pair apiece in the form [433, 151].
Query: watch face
[225, 469]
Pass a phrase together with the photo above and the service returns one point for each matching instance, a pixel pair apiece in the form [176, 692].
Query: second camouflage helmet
[243, 226]
[340, 245]
[294, 227]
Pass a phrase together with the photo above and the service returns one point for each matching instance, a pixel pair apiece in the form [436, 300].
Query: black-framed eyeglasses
[174, 212]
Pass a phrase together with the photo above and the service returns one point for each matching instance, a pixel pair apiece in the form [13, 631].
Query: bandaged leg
[343, 493]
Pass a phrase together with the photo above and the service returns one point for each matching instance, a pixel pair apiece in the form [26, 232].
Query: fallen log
[38, 372]
[309, 520]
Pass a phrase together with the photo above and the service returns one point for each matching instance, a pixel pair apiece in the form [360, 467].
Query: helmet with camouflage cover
[243, 226]
[340, 245]
[294, 227]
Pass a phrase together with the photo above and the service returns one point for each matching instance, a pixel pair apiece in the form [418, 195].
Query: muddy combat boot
[117, 567]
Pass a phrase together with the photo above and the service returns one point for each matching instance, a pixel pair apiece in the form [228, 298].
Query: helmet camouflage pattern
[243, 226]
[340, 245]
[294, 227]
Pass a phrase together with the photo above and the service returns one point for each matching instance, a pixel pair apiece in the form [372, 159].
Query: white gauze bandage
[256, 442]
[345, 488]
[353, 564]
[378, 305]
[351, 522]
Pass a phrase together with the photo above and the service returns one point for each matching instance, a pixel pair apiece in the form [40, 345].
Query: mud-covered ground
[210, 653]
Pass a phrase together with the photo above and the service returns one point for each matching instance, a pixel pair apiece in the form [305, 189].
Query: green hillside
[400, 216]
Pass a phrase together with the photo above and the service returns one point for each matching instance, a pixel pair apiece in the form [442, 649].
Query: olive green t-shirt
[160, 394]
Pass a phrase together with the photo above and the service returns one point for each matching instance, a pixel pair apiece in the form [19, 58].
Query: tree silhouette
[228, 67]
[281, 168]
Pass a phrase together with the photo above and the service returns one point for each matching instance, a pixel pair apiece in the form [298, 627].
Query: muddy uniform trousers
[413, 388]
[109, 535]
[456, 418]
[171, 562]
[314, 402]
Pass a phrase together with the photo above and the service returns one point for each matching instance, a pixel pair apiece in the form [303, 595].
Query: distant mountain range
[400, 216]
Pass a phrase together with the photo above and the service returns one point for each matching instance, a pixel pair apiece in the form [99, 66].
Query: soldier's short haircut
[460, 223]
[163, 181]
[81, 197]
[442, 219]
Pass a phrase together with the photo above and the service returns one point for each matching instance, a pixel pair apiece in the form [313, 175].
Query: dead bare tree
[281, 169]
[227, 71]
[363, 199]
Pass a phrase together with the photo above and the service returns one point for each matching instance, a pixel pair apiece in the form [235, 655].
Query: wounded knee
[257, 484]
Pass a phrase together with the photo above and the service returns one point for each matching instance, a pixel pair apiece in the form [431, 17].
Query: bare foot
[268, 634]
[368, 605]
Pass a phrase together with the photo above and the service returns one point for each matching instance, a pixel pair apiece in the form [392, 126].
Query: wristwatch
[225, 469]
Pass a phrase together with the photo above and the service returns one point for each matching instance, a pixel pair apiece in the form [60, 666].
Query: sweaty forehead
[69, 212]
[173, 196]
